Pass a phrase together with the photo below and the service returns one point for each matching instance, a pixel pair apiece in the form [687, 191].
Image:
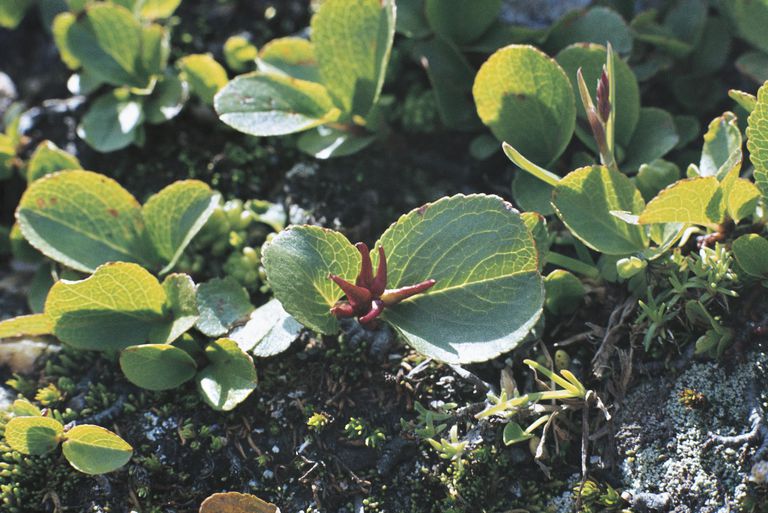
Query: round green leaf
[750, 18]
[157, 366]
[174, 215]
[584, 201]
[81, 219]
[270, 330]
[116, 307]
[229, 378]
[691, 201]
[204, 75]
[239, 53]
[166, 100]
[595, 25]
[526, 100]
[290, 56]
[751, 252]
[221, 304]
[591, 58]
[112, 123]
[488, 292]
[33, 435]
[267, 104]
[460, 21]
[298, 262]
[95, 450]
[49, 158]
[654, 136]
[564, 292]
[353, 41]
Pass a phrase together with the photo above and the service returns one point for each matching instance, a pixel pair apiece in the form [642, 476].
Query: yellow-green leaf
[26, 325]
[233, 502]
[291, 56]
[204, 75]
[692, 201]
[757, 140]
[157, 366]
[49, 158]
[95, 450]
[33, 435]
[229, 378]
[116, 307]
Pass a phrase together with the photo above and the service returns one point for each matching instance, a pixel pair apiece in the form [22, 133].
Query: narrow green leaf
[290, 56]
[298, 262]
[584, 200]
[353, 41]
[26, 325]
[751, 252]
[95, 450]
[229, 378]
[62, 23]
[691, 201]
[205, 76]
[33, 435]
[49, 158]
[81, 219]
[460, 21]
[526, 100]
[488, 292]
[523, 163]
[265, 104]
[221, 303]
[175, 215]
[270, 330]
[157, 366]
[114, 308]
[746, 100]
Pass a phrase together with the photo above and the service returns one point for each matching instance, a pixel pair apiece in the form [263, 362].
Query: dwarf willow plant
[458, 279]
[328, 87]
[89, 449]
[141, 87]
[90, 224]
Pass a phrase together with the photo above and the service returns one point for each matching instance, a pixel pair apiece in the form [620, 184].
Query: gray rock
[538, 13]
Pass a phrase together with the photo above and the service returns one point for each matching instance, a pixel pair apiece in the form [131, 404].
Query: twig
[616, 323]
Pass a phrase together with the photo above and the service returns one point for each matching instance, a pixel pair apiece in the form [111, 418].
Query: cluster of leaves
[89, 449]
[327, 88]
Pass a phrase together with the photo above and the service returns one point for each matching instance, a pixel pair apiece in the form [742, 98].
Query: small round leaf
[33, 435]
[95, 450]
[229, 379]
[157, 366]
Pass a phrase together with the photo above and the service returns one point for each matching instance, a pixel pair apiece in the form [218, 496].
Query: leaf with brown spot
[233, 502]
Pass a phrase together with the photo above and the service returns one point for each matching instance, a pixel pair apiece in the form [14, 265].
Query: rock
[539, 14]
[683, 452]
[20, 356]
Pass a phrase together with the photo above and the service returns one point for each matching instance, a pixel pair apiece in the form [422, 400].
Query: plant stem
[572, 264]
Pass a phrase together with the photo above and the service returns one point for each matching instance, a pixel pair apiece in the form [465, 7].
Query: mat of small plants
[383, 256]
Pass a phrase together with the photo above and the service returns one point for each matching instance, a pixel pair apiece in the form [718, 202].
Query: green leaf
[114, 308]
[596, 25]
[353, 41]
[112, 122]
[745, 100]
[411, 19]
[239, 53]
[13, 11]
[690, 201]
[229, 379]
[564, 292]
[757, 140]
[651, 178]
[298, 262]
[488, 292]
[514, 433]
[221, 303]
[157, 366]
[591, 58]
[584, 201]
[721, 142]
[751, 252]
[741, 197]
[62, 23]
[166, 100]
[451, 78]
[290, 56]
[155, 49]
[95, 450]
[205, 76]
[23, 408]
[182, 302]
[532, 194]
[81, 219]
[752, 65]
[750, 18]
[537, 226]
[325, 142]
[49, 158]
[26, 325]
[270, 330]
[654, 136]
[155, 9]
[175, 215]
[265, 104]
[33, 435]
[526, 100]
[460, 21]
[107, 40]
